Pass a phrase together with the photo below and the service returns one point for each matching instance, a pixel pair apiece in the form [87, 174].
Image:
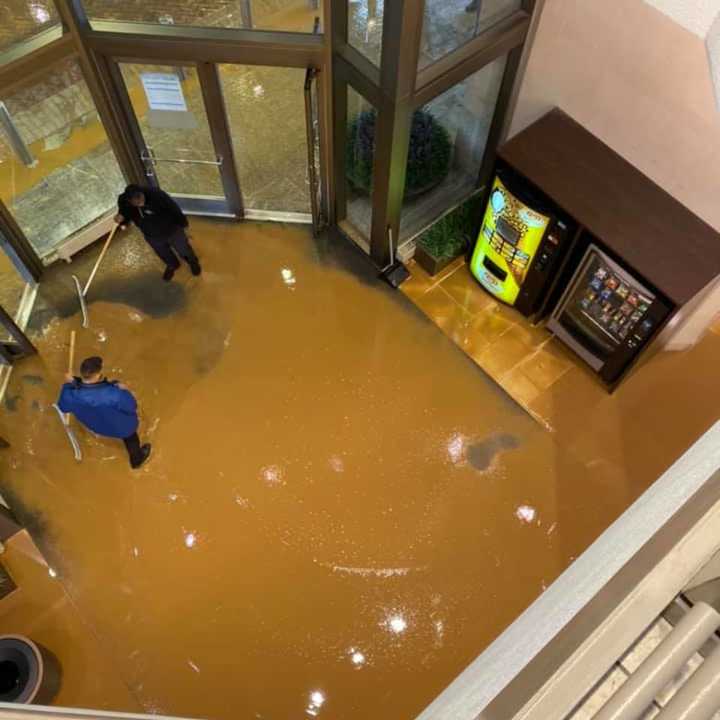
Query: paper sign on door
[164, 92]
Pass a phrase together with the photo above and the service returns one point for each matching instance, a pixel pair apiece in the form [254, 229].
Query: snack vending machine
[520, 246]
[607, 315]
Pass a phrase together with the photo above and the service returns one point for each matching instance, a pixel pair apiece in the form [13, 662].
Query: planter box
[432, 265]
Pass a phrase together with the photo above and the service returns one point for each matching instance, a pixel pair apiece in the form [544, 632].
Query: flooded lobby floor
[341, 511]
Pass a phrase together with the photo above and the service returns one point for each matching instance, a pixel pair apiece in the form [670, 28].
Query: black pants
[166, 249]
[132, 444]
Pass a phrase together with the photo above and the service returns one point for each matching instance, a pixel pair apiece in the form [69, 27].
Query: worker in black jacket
[163, 224]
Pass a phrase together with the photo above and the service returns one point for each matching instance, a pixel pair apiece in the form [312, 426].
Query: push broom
[65, 418]
[82, 293]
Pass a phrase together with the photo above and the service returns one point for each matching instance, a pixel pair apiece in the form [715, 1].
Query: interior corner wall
[638, 81]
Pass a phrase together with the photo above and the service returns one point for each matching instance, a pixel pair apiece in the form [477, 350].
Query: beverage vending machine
[521, 244]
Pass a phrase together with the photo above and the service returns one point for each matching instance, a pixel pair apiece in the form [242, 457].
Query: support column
[100, 85]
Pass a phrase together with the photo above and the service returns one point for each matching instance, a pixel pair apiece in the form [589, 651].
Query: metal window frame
[21, 345]
[111, 42]
[99, 45]
[397, 88]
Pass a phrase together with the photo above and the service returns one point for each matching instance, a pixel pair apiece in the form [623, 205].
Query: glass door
[18, 291]
[181, 149]
[58, 175]
[266, 115]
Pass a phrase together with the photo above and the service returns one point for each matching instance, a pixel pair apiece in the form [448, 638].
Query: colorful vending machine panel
[509, 238]
[606, 315]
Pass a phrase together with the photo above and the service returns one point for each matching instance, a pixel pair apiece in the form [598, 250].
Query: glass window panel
[447, 146]
[23, 19]
[359, 158]
[15, 281]
[58, 173]
[271, 156]
[365, 25]
[448, 24]
[175, 135]
[284, 15]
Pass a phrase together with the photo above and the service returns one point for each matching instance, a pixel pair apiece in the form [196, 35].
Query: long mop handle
[71, 363]
[65, 417]
[99, 260]
[71, 354]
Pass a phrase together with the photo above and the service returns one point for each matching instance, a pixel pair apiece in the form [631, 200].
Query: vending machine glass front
[509, 238]
[604, 307]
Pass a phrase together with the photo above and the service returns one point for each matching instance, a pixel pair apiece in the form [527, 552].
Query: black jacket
[160, 216]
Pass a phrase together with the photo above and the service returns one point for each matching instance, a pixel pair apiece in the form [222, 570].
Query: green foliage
[452, 234]
[429, 152]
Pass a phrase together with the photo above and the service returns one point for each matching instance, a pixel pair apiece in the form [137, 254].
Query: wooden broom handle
[71, 362]
[71, 354]
[100, 258]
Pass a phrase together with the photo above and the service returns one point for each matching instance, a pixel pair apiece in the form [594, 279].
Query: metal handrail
[150, 156]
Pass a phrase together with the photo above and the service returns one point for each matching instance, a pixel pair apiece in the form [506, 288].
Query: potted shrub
[429, 153]
[448, 238]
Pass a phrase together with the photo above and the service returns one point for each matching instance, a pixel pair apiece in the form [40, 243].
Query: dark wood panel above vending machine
[673, 249]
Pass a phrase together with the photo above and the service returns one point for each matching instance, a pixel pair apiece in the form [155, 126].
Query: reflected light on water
[190, 540]
[456, 448]
[397, 624]
[526, 513]
[317, 700]
[272, 475]
[52, 572]
[357, 658]
[288, 276]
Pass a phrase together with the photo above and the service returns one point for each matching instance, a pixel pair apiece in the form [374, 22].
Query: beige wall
[642, 84]
[638, 81]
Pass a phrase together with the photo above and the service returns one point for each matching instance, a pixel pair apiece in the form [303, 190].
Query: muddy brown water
[328, 526]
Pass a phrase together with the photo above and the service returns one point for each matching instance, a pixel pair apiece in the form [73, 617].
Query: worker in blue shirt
[106, 407]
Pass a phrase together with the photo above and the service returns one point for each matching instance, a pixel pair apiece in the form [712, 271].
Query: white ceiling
[697, 16]
[702, 18]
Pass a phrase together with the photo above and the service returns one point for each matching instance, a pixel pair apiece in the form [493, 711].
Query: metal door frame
[110, 43]
[20, 346]
[214, 108]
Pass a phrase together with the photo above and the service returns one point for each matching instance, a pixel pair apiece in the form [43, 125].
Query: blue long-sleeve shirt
[103, 407]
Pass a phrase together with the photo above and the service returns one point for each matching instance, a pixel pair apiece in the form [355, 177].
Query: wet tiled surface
[338, 501]
[41, 609]
[662, 407]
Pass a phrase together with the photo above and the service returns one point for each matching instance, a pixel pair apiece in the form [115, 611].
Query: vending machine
[607, 315]
[520, 246]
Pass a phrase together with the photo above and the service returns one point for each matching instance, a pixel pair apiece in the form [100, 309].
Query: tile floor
[329, 474]
[41, 609]
[625, 439]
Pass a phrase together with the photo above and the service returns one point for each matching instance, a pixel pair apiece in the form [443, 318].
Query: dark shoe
[144, 455]
[473, 6]
[169, 273]
[195, 268]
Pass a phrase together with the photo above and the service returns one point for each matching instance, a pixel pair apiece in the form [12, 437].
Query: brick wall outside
[205, 13]
[52, 105]
[21, 19]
